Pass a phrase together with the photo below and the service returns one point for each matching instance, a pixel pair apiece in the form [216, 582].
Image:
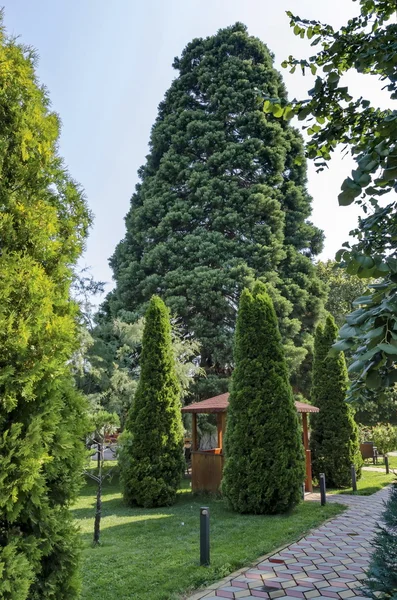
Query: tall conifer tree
[334, 439]
[151, 457]
[264, 468]
[43, 222]
[222, 201]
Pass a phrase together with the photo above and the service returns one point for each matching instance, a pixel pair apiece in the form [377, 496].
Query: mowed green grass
[369, 483]
[154, 554]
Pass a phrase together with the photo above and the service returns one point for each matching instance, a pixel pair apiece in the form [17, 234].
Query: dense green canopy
[222, 201]
[43, 222]
[151, 457]
[334, 439]
[264, 468]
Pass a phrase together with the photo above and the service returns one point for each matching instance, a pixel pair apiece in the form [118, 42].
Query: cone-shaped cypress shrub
[264, 467]
[334, 439]
[151, 457]
[382, 574]
[43, 222]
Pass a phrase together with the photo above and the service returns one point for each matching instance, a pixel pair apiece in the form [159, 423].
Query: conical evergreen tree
[151, 457]
[334, 439]
[381, 583]
[43, 222]
[222, 201]
[264, 468]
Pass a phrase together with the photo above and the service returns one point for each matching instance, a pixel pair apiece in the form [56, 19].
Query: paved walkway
[330, 562]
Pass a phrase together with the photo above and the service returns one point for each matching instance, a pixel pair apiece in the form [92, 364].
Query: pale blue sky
[107, 65]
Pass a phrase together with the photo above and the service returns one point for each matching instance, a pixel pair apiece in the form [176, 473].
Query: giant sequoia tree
[222, 201]
[43, 221]
[264, 467]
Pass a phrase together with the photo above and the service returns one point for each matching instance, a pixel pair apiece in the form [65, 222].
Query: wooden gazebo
[207, 465]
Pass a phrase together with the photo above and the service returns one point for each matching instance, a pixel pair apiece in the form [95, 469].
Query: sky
[107, 65]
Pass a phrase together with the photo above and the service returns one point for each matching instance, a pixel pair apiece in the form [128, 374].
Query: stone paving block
[347, 594]
[277, 594]
[288, 584]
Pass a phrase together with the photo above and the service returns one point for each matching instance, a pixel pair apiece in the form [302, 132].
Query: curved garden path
[330, 562]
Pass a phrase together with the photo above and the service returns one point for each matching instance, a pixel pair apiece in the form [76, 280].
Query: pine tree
[222, 202]
[151, 457]
[381, 583]
[43, 222]
[334, 439]
[264, 467]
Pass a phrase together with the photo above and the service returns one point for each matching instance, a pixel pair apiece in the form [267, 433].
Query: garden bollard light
[354, 479]
[387, 464]
[303, 491]
[204, 536]
[323, 493]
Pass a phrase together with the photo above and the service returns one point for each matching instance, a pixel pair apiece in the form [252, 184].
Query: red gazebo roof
[219, 404]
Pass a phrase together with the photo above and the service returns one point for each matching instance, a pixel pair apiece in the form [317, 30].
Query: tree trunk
[98, 513]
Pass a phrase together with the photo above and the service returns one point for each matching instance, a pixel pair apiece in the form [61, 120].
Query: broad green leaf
[333, 77]
[388, 348]
[365, 261]
[373, 333]
[348, 331]
[277, 110]
[389, 174]
[357, 365]
[288, 113]
[303, 113]
[341, 346]
[363, 300]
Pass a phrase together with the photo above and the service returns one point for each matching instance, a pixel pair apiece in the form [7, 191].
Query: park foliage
[222, 201]
[43, 223]
[334, 438]
[151, 455]
[264, 469]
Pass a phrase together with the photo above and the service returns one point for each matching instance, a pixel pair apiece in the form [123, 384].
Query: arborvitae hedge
[151, 457]
[334, 438]
[43, 222]
[382, 574]
[264, 468]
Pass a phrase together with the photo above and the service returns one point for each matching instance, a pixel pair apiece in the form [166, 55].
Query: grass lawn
[370, 482]
[153, 554]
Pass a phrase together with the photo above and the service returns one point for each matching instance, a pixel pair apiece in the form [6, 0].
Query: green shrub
[151, 455]
[264, 467]
[334, 438]
[43, 223]
[384, 437]
[381, 583]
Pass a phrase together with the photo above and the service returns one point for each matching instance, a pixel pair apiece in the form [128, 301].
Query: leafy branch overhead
[367, 44]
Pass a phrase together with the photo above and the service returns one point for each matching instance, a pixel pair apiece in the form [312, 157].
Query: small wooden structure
[207, 465]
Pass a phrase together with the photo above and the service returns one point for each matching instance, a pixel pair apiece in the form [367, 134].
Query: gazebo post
[308, 455]
[220, 423]
[194, 432]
